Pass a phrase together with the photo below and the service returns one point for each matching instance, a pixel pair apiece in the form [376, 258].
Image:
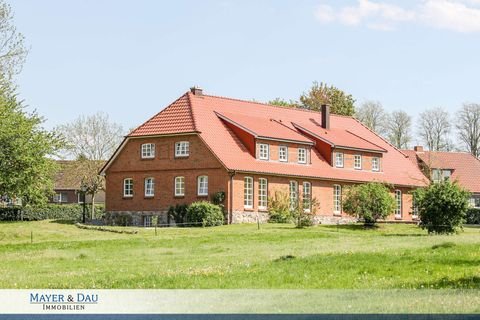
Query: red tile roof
[272, 129]
[340, 138]
[201, 113]
[466, 168]
[176, 118]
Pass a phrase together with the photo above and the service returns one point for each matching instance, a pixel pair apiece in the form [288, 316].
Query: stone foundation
[254, 216]
[135, 218]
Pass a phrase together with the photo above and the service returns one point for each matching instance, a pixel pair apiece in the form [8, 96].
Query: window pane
[203, 186]
[179, 186]
[262, 193]
[293, 195]
[307, 196]
[398, 199]
[149, 187]
[339, 159]
[182, 149]
[337, 199]
[248, 192]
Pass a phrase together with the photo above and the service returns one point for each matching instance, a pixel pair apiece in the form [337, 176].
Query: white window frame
[284, 150]
[262, 193]
[148, 151]
[446, 175]
[293, 194]
[149, 187]
[357, 162]
[179, 186]
[182, 149]
[248, 193]
[304, 151]
[202, 186]
[130, 187]
[307, 196]
[414, 208]
[339, 159]
[79, 197]
[59, 198]
[376, 167]
[263, 151]
[437, 175]
[399, 203]
[147, 221]
[337, 199]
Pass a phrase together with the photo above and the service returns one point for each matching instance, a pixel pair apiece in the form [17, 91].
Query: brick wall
[321, 190]
[163, 168]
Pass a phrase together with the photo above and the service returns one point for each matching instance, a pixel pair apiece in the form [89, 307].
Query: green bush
[473, 216]
[370, 202]
[279, 208]
[10, 214]
[204, 214]
[60, 211]
[178, 214]
[442, 207]
[117, 219]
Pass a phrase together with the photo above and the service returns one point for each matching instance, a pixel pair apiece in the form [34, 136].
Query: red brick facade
[164, 167]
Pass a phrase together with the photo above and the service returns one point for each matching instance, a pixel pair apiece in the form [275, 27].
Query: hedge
[50, 211]
[473, 216]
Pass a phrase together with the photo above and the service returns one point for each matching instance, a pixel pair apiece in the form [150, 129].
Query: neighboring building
[456, 166]
[202, 144]
[68, 183]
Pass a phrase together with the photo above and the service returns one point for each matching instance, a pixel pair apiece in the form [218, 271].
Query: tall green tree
[320, 93]
[26, 170]
[284, 103]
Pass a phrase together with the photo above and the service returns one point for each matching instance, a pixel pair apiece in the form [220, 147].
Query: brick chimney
[418, 149]
[197, 91]
[325, 116]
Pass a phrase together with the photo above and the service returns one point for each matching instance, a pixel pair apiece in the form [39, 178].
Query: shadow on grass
[472, 282]
[351, 227]
[61, 221]
[404, 235]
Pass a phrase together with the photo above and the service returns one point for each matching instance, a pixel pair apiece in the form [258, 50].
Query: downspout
[230, 196]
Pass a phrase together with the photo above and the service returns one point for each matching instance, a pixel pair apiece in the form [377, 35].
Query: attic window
[263, 151]
[148, 150]
[302, 155]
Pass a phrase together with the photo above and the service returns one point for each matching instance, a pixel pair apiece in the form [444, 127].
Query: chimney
[197, 91]
[418, 149]
[325, 116]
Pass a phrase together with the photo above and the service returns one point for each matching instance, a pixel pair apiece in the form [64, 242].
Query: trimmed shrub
[279, 208]
[442, 207]
[178, 214]
[473, 216]
[118, 219]
[370, 202]
[205, 214]
[60, 211]
[10, 214]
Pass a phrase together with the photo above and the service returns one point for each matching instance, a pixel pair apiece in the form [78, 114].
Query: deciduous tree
[320, 93]
[434, 129]
[399, 129]
[468, 127]
[372, 114]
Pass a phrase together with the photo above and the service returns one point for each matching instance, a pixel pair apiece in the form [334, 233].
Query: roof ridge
[274, 106]
[158, 113]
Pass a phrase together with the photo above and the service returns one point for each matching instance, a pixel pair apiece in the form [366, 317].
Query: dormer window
[302, 155]
[182, 149]
[283, 153]
[375, 164]
[263, 151]
[148, 151]
[339, 159]
[357, 162]
[439, 175]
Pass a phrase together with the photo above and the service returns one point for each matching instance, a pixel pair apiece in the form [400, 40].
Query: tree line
[435, 128]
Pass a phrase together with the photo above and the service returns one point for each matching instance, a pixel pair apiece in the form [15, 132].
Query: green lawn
[237, 256]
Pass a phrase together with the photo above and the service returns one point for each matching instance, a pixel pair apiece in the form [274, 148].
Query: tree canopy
[26, 171]
[320, 93]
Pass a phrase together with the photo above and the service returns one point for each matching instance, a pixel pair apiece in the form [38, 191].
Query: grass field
[237, 256]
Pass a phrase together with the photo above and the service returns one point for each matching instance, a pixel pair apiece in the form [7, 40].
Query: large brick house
[462, 167]
[202, 144]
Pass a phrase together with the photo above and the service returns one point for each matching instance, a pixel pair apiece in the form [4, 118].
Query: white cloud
[455, 15]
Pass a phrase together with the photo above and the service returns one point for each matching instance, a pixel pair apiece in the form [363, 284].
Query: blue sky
[131, 58]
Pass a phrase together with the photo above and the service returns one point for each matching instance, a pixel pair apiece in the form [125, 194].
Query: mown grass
[237, 256]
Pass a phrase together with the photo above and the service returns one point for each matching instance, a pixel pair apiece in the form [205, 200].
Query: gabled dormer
[269, 140]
